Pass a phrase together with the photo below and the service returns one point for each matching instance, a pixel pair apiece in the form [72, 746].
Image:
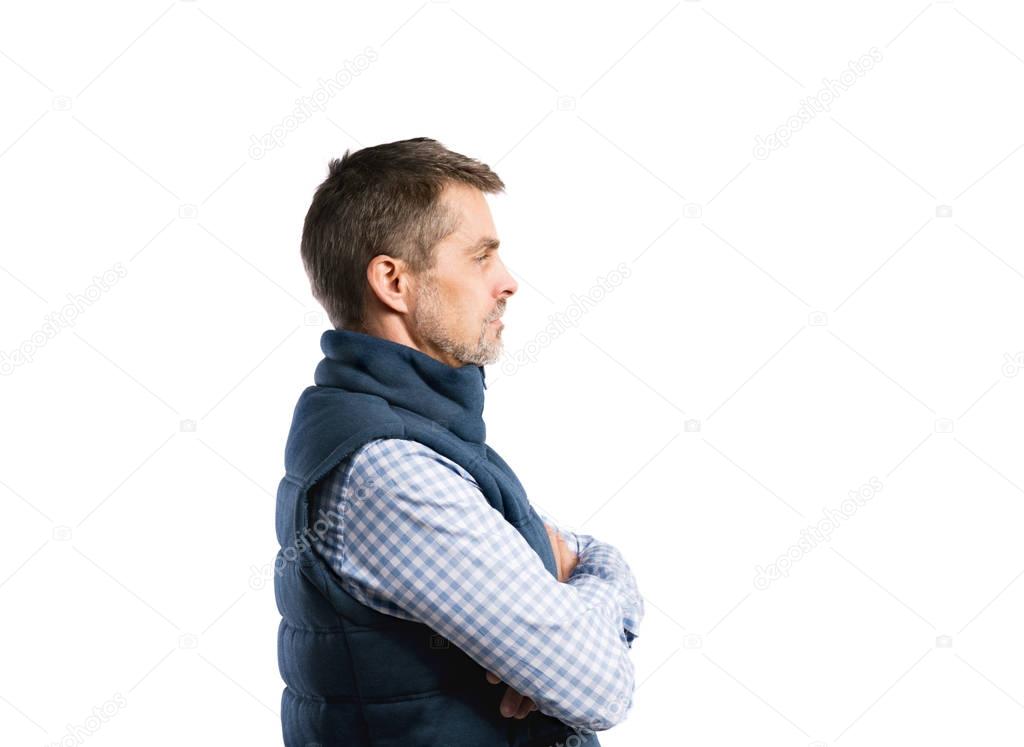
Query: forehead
[474, 221]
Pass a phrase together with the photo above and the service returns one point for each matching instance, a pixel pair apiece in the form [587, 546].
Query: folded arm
[597, 558]
[420, 541]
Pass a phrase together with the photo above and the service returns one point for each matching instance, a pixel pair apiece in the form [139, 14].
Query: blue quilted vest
[355, 676]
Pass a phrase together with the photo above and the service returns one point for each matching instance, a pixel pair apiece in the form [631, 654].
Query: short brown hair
[384, 199]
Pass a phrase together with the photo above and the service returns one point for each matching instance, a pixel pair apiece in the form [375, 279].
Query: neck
[394, 329]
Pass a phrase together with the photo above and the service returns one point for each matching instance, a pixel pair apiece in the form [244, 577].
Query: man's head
[399, 243]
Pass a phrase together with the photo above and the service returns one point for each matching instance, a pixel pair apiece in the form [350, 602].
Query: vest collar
[405, 377]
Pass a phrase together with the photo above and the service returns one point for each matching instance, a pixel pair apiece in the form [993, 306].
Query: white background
[817, 316]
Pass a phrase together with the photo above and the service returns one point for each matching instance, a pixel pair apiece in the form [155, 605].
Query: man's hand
[565, 559]
[513, 705]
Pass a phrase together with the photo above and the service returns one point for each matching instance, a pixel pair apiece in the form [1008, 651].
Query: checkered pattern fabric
[418, 540]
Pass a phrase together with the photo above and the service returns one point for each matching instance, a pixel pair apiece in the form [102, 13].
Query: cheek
[468, 308]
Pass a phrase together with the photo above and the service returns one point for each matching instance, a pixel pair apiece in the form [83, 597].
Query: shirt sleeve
[601, 559]
[420, 541]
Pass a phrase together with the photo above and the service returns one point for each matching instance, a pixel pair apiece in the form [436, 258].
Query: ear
[388, 279]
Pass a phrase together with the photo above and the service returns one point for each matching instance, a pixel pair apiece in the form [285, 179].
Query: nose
[509, 285]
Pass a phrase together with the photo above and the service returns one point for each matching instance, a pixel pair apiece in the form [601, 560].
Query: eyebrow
[487, 242]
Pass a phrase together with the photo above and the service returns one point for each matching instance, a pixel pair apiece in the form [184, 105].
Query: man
[424, 601]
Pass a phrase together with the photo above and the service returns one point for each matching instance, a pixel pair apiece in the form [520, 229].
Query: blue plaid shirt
[418, 540]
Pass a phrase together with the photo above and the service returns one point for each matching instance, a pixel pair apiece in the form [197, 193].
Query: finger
[525, 707]
[510, 703]
[493, 678]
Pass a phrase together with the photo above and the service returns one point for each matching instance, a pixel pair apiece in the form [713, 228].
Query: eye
[482, 257]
